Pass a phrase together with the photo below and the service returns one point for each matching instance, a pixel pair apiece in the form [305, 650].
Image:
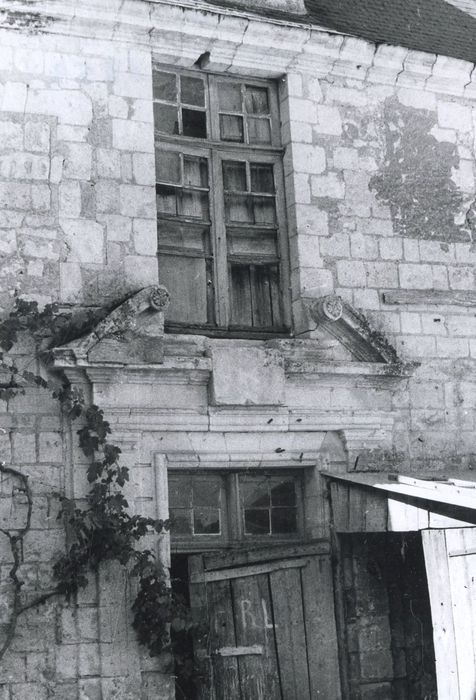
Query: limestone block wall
[381, 192]
[77, 201]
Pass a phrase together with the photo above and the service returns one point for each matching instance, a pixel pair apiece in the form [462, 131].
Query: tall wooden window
[220, 203]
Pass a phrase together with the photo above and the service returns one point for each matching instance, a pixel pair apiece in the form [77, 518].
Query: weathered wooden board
[460, 544]
[290, 633]
[318, 599]
[439, 586]
[258, 675]
[199, 607]
[225, 676]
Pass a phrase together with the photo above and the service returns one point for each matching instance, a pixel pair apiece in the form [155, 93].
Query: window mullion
[219, 235]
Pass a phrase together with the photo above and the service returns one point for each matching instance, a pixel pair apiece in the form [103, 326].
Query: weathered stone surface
[246, 375]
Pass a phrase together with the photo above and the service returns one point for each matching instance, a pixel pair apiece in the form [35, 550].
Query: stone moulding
[352, 329]
[132, 333]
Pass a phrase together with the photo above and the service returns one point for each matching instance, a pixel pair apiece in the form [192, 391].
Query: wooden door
[270, 615]
[450, 558]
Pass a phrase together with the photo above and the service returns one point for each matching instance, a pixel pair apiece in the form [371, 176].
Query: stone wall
[379, 166]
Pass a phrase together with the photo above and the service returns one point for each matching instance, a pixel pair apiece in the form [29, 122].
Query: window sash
[216, 152]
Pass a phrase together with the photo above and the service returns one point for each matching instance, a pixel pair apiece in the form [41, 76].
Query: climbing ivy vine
[103, 529]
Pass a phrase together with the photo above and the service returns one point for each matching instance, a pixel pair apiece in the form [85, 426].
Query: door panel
[450, 559]
[272, 627]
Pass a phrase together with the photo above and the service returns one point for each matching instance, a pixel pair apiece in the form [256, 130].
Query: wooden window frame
[216, 151]
[232, 518]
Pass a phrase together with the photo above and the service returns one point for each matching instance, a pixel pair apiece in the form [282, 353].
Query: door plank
[321, 634]
[199, 608]
[250, 630]
[259, 625]
[225, 677]
[436, 562]
[290, 633]
[462, 573]
[243, 572]
[221, 560]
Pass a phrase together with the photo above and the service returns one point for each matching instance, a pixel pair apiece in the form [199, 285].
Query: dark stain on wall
[32, 22]
[415, 178]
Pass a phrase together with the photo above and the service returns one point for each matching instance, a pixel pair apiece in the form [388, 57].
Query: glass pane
[186, 279]
[256, 522]
[167, 166]
[167, 199]
[237, 208]
[192, 91]
[229, 97]
[195, 171]
[255, 492]
[180, 492]
[231, 128]
[259, 130]
[240, 295]
[283, 492]
[181, 521]
[166, 118]
[206, 521]
[193, 204]
[194, 123]
[256, 100]
[182, 236]
[234, 176]
[262, 179]
[250, 243]
[206, 491]
[165, 86]
[264, 210]
[283, 521]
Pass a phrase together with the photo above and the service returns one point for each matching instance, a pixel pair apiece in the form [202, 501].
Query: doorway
[266, 626]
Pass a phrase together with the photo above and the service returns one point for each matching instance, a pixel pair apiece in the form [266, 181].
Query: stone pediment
[132, 333]
[338, 319]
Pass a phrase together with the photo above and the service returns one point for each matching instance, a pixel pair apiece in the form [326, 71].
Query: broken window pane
[262, 179]
[259, 130]
[264, 210]
[231, 128]
[192, 91]
[177, 235]
[167, 199]
[283, 521]
[229, 97]
[194, 123]
[234, 176]
[240, 296]
[256, 100]
[238, 209]
[194, 205]
[167, 166]
[166, 118]
[206, 521]
[186, 279]
[256, 522]
[165, 86]
[195, 171]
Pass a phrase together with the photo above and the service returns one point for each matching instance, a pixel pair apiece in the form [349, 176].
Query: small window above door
[217, 509]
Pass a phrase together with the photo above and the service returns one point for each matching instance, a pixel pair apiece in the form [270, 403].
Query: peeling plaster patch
[417, 177]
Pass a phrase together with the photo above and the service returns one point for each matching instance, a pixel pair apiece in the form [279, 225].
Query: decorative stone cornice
[130, 334]
[238, 40]
[352, 329]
